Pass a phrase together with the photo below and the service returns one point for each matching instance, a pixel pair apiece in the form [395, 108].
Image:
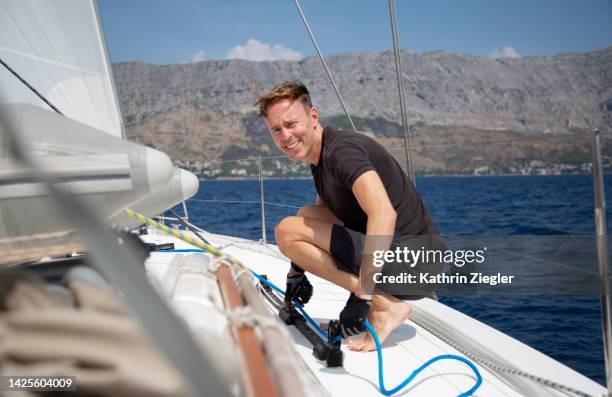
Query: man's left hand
[298, 288]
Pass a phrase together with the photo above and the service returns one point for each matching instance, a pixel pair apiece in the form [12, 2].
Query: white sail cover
[58, 48]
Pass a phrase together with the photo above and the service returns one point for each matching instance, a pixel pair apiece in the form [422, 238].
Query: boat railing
[261, 202]
[599, 215]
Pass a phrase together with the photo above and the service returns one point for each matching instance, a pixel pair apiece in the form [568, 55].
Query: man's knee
[284, 232]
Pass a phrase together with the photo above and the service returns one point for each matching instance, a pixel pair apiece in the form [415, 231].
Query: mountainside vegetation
[466, 114]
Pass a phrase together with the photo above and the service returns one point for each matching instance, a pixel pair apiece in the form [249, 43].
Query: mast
[601, 234]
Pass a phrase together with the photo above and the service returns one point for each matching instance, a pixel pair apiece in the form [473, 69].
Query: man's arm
[373, 199]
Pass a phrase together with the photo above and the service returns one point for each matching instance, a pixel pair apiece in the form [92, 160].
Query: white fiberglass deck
[406, 349]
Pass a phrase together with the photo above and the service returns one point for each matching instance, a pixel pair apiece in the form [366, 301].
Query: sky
[179, 31]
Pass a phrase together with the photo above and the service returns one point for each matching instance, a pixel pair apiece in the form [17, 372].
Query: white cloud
[198, 56]
[506, 52]
[255, 50]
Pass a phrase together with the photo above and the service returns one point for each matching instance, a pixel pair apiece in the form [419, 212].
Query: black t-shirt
[344, 157]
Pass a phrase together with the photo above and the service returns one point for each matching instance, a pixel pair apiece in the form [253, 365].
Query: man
[364, 202]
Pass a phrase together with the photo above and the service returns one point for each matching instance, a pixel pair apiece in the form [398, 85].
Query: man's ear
[314, 113]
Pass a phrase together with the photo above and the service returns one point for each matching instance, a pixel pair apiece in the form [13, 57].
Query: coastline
[254, 178]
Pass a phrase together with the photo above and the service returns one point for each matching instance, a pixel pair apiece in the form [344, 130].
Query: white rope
[246, 316]
[236, 276]
[214, 266]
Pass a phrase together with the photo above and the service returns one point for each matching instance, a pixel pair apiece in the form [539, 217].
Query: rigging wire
[331, 79]
[226, 201]
[282, 205]
[246, 202]
[402, 93]
[34, 90]
[187, 226]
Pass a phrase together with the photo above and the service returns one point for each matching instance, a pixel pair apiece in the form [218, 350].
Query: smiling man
[365, 203]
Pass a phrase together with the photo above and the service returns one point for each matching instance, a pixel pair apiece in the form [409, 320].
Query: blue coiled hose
[381, 382]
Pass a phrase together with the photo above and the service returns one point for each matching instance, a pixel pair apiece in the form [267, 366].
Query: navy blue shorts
[346, 247]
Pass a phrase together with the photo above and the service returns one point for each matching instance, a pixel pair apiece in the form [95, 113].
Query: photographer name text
[443, 278]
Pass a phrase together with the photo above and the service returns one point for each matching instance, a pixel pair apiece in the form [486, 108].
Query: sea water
[565, 327]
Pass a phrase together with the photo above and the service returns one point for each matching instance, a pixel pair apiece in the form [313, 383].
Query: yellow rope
[182, 236]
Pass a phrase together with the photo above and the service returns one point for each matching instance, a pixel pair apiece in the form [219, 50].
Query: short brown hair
[293, 90]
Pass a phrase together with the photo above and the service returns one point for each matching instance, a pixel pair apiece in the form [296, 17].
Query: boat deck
[406, 349]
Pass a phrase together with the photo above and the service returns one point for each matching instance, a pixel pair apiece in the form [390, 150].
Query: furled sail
[54, 56]
[105, 172]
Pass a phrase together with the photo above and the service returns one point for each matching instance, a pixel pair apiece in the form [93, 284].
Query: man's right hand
[298, 288]
[353, 315]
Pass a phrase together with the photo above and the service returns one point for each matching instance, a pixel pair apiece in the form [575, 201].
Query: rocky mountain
[205, 110]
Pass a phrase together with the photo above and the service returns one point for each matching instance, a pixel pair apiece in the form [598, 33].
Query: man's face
[292, 127]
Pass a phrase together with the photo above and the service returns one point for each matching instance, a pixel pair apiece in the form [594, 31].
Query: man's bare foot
[386, 314]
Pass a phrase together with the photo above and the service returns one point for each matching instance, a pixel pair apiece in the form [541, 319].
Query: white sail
[58, 48]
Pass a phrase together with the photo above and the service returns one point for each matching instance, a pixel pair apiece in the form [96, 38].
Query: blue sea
[567, 328]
